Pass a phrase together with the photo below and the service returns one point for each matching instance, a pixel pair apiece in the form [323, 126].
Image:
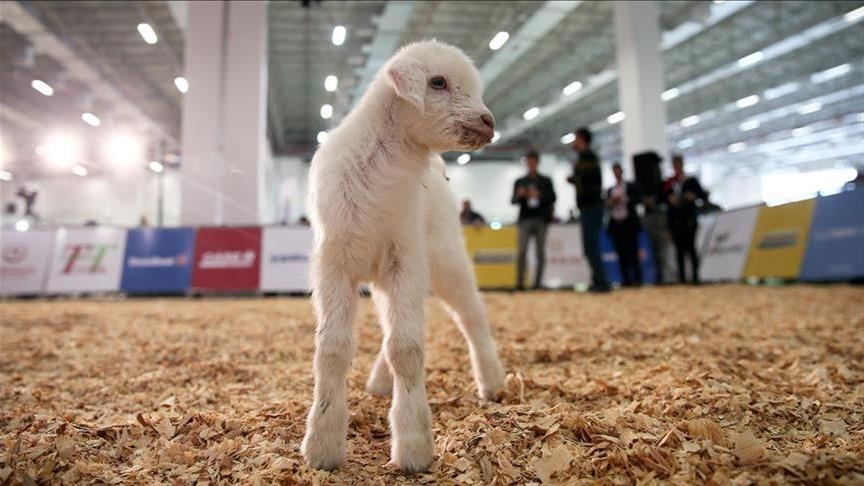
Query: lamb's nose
[488, 121]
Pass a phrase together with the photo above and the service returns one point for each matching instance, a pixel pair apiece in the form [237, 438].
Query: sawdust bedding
[725, 385]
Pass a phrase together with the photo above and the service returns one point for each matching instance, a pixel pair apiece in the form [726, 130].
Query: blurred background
[207, 113]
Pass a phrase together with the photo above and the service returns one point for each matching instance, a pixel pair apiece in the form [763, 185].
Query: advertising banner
[86, 260]
[227, 259]
[158, 260]
[836, 249]
[565, 260]
[24, 258]
[493, 253]
[779, 240]
[724, 252]
[285, 259]
[610, 259]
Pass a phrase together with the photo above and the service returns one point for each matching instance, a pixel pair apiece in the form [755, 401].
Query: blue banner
[836, 249]
[158, 260]
[610, 258]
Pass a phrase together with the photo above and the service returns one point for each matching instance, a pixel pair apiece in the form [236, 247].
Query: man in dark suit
[536, 199]
[682, 194]
[624, 226]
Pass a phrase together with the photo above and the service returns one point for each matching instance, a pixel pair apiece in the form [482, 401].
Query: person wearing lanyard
[536, 199]
[624, 227]
[682, 193]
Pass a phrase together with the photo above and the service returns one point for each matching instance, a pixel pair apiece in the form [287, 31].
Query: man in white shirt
[624, 226]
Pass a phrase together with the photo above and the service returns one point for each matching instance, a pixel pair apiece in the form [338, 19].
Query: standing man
[682, 193]
[536, 199]
[589, 199]
[624, 227]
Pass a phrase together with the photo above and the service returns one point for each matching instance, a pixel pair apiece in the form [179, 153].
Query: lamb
[382, 212]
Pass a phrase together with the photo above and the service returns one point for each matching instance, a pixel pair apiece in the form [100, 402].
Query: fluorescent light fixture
[811, 107]
[22, 225]
[854, 15]
[326, 111]
[749, 125]
[719, 2]
[91, 119]
[686, 143]
[737, 147]
[322, 136]
[780, 91]
[123, 149]
[496, 136]
[42, 87]
[156, 166]
[616, 117]
[751, 59]
[747, 101]
[832, 73]
[670, 94]
[80, 171]
[463, 159]
[182, 84]
[690, 121]
[339, 33]
[147, 33]
[331, 82]
[5, 175]
[499, 40]
[60, 150]
[568, 138]
[802, 131]
[572, 88]
[531, 113]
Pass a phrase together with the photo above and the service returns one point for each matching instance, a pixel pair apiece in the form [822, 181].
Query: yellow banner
[780, 240]
[493, 253]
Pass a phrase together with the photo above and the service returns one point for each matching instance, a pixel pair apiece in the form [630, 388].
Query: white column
[640, 79]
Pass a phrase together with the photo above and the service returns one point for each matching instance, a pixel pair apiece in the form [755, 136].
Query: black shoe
[600, 289]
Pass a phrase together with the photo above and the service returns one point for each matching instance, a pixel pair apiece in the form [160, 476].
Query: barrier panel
[779, 240]
[727, 245]
[836, 249]
[610, 258]
[493, 253]
[86, 260]
[285, 259]
[24, 258]
[158, 260]
[227, 259]
[565, 260]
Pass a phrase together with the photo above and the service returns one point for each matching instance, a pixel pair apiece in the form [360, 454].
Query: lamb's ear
[408, 80]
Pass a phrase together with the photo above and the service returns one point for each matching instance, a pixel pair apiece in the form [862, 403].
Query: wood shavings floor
[729, 384]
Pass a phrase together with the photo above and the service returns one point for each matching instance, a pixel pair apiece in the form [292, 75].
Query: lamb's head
[440, 97]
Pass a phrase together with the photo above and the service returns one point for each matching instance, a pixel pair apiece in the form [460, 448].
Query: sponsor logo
[157, 261]
[838, 233]
[288, 258]
[85, 258]
[13, 254]
[227, 259]
[494, 257]
[779, 239]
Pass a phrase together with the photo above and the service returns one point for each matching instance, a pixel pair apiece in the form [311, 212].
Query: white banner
[566, 264]
[285, 259]
[23, 261]
[86, 260]
[724, 253]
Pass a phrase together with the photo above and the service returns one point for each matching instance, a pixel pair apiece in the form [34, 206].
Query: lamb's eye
[438, 82]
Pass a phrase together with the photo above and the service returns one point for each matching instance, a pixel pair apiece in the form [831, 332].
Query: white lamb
[383, 213]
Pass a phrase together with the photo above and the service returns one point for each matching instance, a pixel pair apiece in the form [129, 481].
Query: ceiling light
[60, 150]
[811, 107]
[782, 90]
[747, 101]
[499, 40]
[182, 84]
[91, 119]
[686, 143]
[5, 175]
[572, 88]
[22, 225]
[80, 171]
[860, 117]
[463, 159]
[719, 2]
[670, 94]
[802, 131]
[42, 87]
[326, 111]
[569, 138]
[322, 136]
[737, 147]
[496, 136]
[147, 33]
[854, 15]
[331, 82]
[749, 125]
[751, 59]
[123, 149]
[690, 121]
[829, 74]
[156, 166]
[339, 34]
[531, 113]
[616, 117]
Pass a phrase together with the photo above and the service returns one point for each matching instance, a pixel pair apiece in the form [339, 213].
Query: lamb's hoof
[323, 454]
[379, 389]
[413, 455]
[492, 387]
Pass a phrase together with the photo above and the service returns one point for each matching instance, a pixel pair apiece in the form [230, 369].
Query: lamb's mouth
[474, 137]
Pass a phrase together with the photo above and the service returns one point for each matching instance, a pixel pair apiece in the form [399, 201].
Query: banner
[836, 249]
[24, 260]
[725, 250]
[285, 259]
[565, 261]
[227, 259]
[493, 253]
[610, 258]
[86, 260]
[779, 240]
[158, 260]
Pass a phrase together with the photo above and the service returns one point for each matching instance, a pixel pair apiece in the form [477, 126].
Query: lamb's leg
[380, 379]
[335, 302]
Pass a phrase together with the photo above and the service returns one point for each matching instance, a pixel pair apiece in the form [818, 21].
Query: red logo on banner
[14, 254]
[85, 258]
[227, 259]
